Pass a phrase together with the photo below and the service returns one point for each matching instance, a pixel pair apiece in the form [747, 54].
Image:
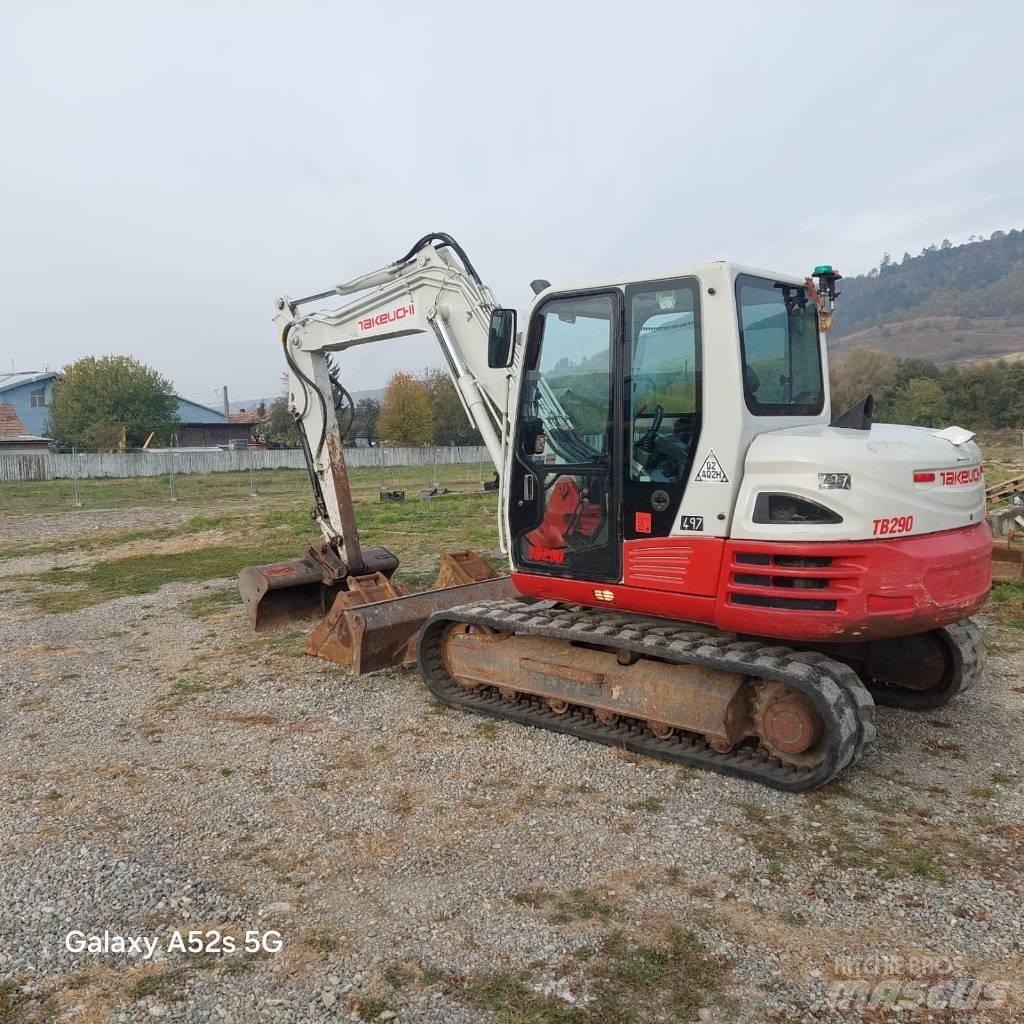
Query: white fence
[47, 466]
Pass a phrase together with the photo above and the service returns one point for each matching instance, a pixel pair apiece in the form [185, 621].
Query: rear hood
[866, 477]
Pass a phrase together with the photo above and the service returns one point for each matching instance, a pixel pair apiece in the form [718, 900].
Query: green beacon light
[827, 294]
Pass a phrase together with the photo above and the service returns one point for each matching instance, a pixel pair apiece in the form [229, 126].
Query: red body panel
[840, 590]
[680, 565]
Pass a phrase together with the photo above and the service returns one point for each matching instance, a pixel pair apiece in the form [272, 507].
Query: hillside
[950, 304]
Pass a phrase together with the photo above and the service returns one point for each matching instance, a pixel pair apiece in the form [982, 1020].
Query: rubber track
[967, 650]
[839, 696]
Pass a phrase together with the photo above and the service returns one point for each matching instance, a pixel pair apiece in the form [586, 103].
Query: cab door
[564, 487]
[662, 404]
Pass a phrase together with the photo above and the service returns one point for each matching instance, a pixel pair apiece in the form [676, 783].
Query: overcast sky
[166, 170]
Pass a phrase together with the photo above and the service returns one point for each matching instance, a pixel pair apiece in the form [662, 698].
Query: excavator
[706, 565]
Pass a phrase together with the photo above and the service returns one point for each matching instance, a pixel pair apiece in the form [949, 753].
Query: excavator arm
[432, 289]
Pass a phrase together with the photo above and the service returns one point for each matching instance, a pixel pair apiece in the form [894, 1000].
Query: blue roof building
[30, 395]
[193, 412]
[25, 401]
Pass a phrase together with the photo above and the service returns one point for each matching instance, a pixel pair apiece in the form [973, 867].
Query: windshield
[782, 373]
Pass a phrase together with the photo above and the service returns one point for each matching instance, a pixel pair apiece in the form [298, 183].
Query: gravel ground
[165, 772]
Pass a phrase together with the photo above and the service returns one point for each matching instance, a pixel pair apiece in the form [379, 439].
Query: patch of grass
[939, 747]
[370, 1009]
[275, 527]
[581, 905]
[1001, 778]
[72, 590]
[11, 998]
[187, 687]
[575, 905]
[650, 804]
[236, 965]
[408, 974]
[322, 942]
[1007, 601]
[402, 803]
[165, 984]
[203, 606]
[18, 1007]
[532, 898]
[489, 730]
[96, 542]
[922, 864]
[627, 983]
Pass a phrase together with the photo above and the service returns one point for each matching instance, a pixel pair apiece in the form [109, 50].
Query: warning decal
[711, 471]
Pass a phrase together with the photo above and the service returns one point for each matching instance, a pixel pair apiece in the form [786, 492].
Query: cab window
[664, 384]
[782, 373]
[566, 405]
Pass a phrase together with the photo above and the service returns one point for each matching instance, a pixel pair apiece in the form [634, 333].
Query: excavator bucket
[282, 592]
[304, 587]
[375, 623]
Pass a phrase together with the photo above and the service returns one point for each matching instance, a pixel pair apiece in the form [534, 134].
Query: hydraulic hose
[307, 385]
[446, 241]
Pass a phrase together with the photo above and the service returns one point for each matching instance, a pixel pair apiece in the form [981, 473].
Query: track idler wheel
[789, 725]
[925, 671]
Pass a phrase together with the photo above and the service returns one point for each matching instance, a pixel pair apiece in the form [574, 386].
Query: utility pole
[227, 411]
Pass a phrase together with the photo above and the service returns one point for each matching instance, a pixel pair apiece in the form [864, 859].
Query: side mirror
[501, 338]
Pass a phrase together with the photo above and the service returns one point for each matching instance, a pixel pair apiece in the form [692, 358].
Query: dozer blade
[282, 592]
[373, 625]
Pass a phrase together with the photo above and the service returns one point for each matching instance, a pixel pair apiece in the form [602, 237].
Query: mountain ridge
[950, 304]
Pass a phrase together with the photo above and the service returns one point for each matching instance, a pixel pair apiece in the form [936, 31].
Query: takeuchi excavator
[706, 565]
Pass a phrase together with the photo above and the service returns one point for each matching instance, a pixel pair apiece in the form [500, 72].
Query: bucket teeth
[334, 636]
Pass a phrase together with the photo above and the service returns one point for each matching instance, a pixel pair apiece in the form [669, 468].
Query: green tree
[451, 425]
[364, 421]
[100, 399]
[281, 429]
[908, 369]
[406, 414]
[920, 403]
[865, 371]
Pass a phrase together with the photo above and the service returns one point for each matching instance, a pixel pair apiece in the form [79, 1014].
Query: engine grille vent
[787, 582]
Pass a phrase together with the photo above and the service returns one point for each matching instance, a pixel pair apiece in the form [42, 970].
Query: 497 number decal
[891, 525]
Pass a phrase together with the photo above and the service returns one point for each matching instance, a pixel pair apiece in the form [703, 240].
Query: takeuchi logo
[391, 316]
[960, 477]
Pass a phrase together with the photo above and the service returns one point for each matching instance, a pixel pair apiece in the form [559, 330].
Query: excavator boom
[434, 289]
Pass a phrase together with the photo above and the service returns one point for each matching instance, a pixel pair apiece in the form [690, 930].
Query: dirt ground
[166, 770]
